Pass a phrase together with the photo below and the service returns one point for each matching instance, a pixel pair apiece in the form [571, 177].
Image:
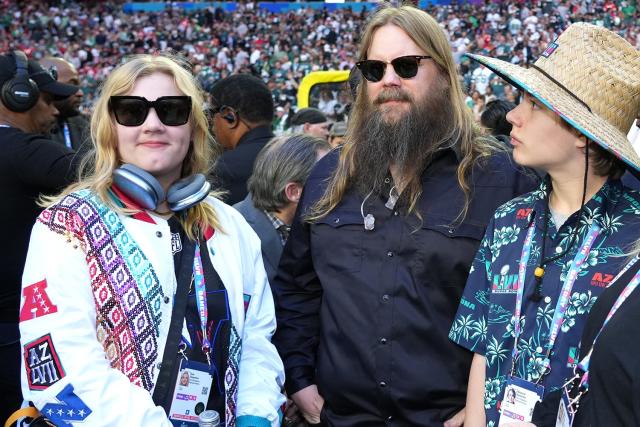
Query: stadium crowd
[283, 48]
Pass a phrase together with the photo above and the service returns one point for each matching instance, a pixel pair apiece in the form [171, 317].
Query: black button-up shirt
[365, 314]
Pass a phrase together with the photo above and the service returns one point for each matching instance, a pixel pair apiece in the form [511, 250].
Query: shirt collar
[279, 225]
[598, 208]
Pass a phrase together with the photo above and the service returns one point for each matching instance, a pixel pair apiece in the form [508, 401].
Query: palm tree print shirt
[485, 321]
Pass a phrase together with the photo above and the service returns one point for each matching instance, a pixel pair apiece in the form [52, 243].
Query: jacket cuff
[252, 421]
[298, 378]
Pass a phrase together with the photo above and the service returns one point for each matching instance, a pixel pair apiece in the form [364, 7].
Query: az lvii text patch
[42, 363]
[36, 302]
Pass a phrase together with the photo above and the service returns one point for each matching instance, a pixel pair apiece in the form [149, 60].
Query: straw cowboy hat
[590, 76]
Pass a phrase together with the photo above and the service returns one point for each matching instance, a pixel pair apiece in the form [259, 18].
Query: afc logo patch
[42, 363]
[36, 302]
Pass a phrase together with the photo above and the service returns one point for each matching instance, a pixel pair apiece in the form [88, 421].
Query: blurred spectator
[241, 116]
[279, 174]
[327, 103]
[312, 122]
[72, 127]
[494, 119]
[336, 135]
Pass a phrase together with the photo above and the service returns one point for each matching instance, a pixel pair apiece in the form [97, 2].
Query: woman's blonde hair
[97, 169]
[427, 34]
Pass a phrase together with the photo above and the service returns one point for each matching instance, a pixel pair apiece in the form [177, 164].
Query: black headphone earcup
[20, 93]
[188, 192]
[19, 96]
[142, 187]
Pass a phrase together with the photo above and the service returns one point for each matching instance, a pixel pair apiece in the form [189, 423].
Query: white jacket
[94, 278]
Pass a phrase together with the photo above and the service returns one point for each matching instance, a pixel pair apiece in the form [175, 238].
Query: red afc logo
[36, 302]
[601, 280]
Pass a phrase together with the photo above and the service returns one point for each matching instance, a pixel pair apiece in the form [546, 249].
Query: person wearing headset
[30, 164]
[549, 254]
[241, 115]
[138, 273]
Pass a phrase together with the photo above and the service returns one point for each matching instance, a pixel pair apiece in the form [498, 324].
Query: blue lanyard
[626, 292]
[201, 301]
[565, 293]
[67, 135]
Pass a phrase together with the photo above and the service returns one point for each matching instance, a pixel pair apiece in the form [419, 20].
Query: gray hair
[284, 159]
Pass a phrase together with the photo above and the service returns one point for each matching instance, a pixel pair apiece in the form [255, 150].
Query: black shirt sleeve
[45, 164]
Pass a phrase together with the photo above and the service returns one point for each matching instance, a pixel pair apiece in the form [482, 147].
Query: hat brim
[570, 109]
[48, 85]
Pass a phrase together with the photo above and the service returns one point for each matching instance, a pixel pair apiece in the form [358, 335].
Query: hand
[309, 402]
[292, 415]
[456, 421]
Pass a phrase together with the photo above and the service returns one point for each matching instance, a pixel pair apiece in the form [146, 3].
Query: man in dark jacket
[385, 233]
[275, 186]
[72, 127]
[242, 112]
[30, 165]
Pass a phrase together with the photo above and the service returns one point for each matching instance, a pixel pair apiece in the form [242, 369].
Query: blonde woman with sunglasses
[138, 276]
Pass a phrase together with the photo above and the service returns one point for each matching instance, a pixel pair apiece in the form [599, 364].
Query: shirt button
[559, 249]
[382, 384]
[383, 341]
[385, 297]
[451, 230]
[390, 254]
[159, 365]
[389, 418]
[547, 299]
[166, 300]
[158, 233]
[337, 220]
[395, 213]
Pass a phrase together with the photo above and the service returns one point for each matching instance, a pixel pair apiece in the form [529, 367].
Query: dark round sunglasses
[133, 110]
[405, 67]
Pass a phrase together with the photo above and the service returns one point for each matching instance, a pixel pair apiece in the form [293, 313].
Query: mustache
[392, 94]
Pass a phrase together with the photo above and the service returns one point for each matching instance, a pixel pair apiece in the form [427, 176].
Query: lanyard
[201, 301]
[67, 135]
[626, 292]
[565, 293]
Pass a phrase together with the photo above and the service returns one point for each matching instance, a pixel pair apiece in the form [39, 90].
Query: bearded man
[388, 226]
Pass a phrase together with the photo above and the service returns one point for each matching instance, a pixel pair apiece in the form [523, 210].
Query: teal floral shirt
[485, 321]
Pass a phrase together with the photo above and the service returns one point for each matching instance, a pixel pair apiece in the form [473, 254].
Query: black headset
[231, 115]
[20, 94]
[144, 189]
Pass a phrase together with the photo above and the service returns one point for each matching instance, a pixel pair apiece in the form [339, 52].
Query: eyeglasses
[405, 67]
[133, 110]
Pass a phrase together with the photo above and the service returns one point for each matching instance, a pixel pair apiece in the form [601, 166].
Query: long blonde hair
[96, 171]
[428, 36]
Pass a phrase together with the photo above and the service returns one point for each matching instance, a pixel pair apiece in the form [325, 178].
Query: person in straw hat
[546, 256]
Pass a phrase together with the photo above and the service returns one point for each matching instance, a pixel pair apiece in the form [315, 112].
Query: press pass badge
[566, 412]
[520, 397]
[191, 394]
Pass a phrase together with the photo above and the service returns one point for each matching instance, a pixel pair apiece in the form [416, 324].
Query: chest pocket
[445, 250]
[336, 241]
